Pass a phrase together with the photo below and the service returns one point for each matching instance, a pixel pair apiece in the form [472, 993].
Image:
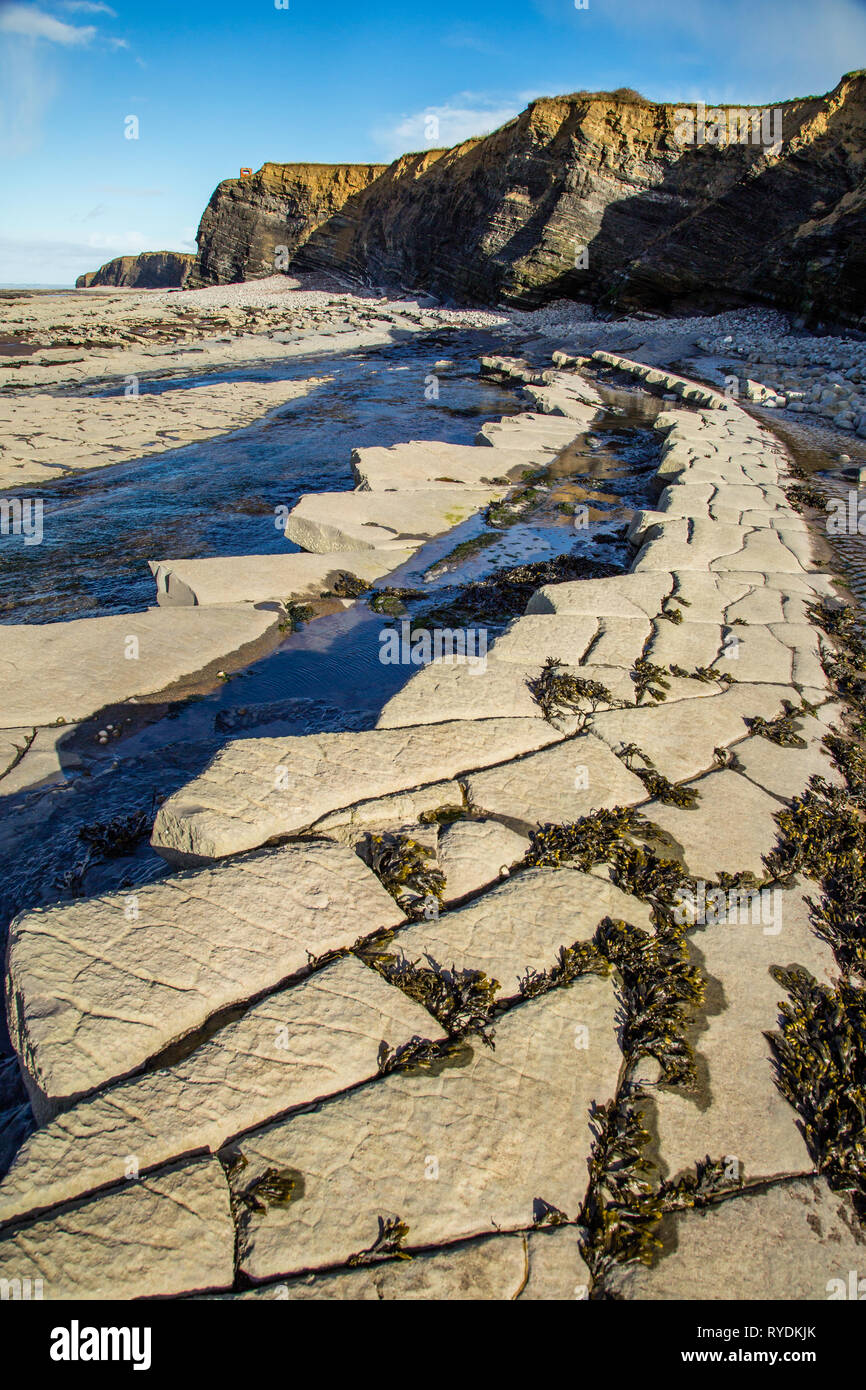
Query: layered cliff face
[152, 270]
[608, 197]
[247, 219]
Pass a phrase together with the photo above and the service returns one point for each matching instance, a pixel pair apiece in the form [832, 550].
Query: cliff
[152, 270]
[247, 219]
[602, 196]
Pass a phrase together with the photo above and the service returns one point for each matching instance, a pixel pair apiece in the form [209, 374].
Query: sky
[214, 86]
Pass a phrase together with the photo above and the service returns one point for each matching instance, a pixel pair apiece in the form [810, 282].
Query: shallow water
[218, 497]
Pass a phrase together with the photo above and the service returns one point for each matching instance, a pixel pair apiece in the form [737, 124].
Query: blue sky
[217, 85]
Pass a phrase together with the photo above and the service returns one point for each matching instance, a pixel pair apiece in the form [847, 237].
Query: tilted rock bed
[496, 984]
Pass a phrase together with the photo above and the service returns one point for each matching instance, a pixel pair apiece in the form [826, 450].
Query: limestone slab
[169, 1233]
[785, 772]
[312, 1040]
[621, 596]
[97, 986]
[520, 925]
[69, 670]
[258, 578]
[736, 1110]
[788, 1243]
[464, 690]
[429, 464]
[255, 789]
[558, 784]
[473, 853]
[336, 521]
[681, 737]
[532, 639]
[460, 1152]
[728, 800]
[402, 808]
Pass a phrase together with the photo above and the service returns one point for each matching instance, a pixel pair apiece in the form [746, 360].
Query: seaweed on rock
[820, 1053]
[408, 871]
[462, 1001]
[658, 786]
[558, 694]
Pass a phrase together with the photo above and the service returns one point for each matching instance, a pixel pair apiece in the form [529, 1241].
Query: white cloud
[31, 23]
[438, 126]
[88, 7]
[27, 88]
[34, 261]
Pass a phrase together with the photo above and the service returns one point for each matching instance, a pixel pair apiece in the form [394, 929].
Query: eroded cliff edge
[151, 270]
[664, 224]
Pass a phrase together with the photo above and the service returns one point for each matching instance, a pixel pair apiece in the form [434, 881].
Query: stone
[725, 799]
[484, 1144]
[258, 578]
[96, 987]
[622, 596]
[682, 737]
[336, 521]
[785, 772]
[13, 745]
[473, 853]
[519, 925]
[478, 689]
[430, 464]
[528, 430]
[558, 784]
[165, 1234]
[687, 644]
[737, 1110]
[793, 1242]
[531, 640]
[761, 550]
[255, 789]
[402, 808]
[68, 671]
[710, 545]
[312, 1040]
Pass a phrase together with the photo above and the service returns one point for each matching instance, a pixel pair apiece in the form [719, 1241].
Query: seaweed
[588, 841]
[780, 730]
[802, 495]
[581, 958]
[277, 1187]
[388, 1244]
[820, 1052]
[649, 680]
[656, 784]
[408, 870]
[621, 1211]
[389, 601]
[821, 832]
[512, 508]
[347, 585]
[462, 1001]
[118, 836]
[558, 693]
[504, 593]
[711, 1182]
[296, 614]
[659, 986]
[418, 1052]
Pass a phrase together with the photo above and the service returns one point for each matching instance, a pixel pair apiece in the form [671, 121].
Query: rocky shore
[524, 982]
